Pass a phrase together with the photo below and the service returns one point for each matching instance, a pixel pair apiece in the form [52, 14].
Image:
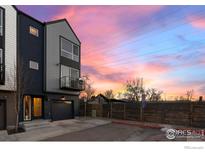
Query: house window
[2, 77]
[33, 31]
[33, 65]
[75, 53]
[69, 72]
[69, 77]
[69, 50]
[1, 21]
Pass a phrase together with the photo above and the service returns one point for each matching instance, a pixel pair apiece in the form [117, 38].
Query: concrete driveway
[39, 130]
[124, 131]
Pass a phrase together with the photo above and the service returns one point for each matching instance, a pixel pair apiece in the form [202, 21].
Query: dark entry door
[2, 115]
[62, 110]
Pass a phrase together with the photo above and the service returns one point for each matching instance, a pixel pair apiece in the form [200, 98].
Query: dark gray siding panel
[2, 114]
[8, 98]
[30, 48]
[47, 109]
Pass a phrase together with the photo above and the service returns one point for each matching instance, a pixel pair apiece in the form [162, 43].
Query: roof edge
[63, 20]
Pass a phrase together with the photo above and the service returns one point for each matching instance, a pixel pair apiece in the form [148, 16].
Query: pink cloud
[197, 21]
[96, 25]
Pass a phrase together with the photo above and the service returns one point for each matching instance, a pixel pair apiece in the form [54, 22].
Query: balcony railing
[67, 82]
[2, 74]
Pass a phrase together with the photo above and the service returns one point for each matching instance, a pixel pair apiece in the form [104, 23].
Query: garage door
[2, 115]
[62, 110]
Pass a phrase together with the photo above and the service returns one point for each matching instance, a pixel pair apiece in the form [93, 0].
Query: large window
[69, 72]
[69, 50]
[69, 77]
[1, 21]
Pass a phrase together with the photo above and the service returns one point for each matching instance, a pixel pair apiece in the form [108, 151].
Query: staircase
[36, 124]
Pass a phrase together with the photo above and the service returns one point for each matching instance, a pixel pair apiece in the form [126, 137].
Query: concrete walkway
[54, 129]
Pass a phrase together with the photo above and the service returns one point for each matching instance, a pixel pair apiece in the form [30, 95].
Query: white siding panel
[10, 48]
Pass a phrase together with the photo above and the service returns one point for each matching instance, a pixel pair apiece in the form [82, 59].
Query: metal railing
[67, 82]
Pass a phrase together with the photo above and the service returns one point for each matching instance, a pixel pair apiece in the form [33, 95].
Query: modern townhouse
[62, 69]
[40, 63]
[30, 67]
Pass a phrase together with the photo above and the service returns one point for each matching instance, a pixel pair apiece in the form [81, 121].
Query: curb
[137, 124]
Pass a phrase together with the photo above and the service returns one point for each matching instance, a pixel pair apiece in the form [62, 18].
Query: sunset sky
[163, 44]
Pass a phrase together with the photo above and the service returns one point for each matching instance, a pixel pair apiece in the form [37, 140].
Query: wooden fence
[188, 114]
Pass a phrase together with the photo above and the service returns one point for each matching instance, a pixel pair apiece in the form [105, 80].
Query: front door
[32, 107]
[2, 115]
[37, 108]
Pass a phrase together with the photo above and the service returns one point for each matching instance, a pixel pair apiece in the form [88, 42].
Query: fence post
[124, 111]
[111, 110]
[85, 109]
[191, 114]
[141, 112]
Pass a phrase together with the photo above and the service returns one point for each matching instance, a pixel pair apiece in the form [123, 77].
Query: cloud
[197, 21]
[102, 28]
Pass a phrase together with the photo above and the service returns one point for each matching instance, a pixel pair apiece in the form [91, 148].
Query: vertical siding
[10, 48]
[30, 48]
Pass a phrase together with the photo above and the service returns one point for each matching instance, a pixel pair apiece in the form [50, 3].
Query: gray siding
[52, 57]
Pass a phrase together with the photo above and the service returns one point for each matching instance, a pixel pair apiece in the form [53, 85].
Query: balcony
[2, 74]
[68, 83]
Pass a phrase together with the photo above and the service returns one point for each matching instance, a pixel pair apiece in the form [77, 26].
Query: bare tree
[89, 91]
[19, 83]
[109, 94]
[153, 95]
[134, 89]
[189, 95]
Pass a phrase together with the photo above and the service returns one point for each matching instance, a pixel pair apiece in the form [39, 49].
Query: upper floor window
[33, 31]
[33, 65]
[69, 50]
[1, 21]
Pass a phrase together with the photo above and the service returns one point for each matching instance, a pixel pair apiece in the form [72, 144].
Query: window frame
[74, 57]
[34, 29]
[34, 65]
[70, 68]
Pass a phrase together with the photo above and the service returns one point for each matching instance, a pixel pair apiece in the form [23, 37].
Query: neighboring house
[46, 58]
[99, 99]
[8, 51]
